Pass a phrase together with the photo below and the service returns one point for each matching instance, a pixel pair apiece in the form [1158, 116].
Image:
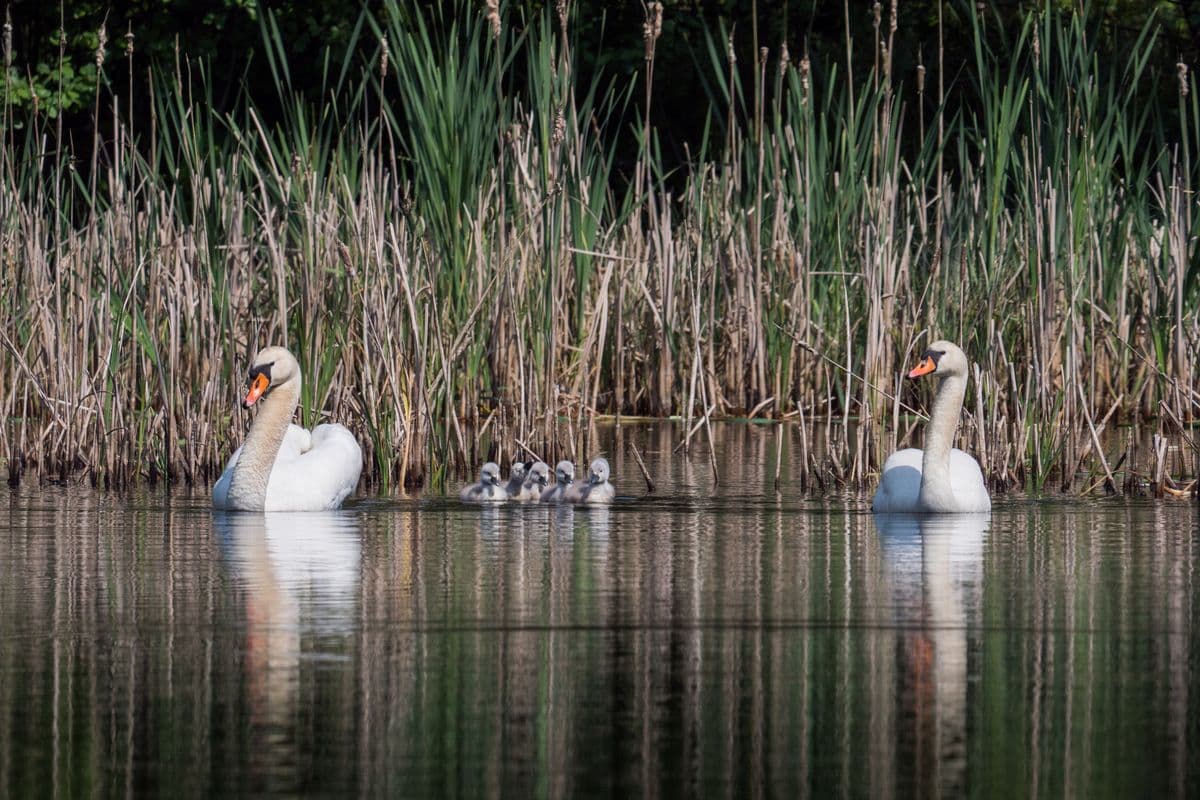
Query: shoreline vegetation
[449, 245]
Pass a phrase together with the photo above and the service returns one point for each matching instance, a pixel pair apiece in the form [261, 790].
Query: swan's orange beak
[257, 387]
[925, 366]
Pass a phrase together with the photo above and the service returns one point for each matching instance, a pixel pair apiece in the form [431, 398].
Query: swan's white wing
[900, 483]
[296, 442]
[318, 477]
[966, 481]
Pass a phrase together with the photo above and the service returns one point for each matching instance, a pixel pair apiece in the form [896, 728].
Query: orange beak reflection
[925, 366]
[257, 387]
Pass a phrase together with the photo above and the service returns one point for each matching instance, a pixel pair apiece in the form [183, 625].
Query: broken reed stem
[642, 465]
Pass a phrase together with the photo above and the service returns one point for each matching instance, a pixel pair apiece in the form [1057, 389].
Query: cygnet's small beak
[257, 387]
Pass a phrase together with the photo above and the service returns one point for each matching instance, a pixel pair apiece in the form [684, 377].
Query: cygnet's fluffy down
[488, 490]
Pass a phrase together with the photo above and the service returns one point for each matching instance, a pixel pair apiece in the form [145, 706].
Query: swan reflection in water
[299, 576]
[935, 562]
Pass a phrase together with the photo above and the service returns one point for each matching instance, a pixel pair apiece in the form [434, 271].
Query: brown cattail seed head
[784, 59]
[732, 52]
[384, 53]
[762, 56]
[893, 23]
[493, 17]
[7, 38]
[652, 28]
[920, 77]
[877, 14]
[1181, 69]
[560, 129]
[561, 7]
[129, 42]
[805, 68]
[1037, 45]
[102, 42]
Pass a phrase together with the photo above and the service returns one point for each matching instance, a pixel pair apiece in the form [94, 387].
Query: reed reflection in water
[741, 643]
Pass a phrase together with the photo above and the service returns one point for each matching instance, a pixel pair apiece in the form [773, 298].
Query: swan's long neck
[939, 438]
[248, 486]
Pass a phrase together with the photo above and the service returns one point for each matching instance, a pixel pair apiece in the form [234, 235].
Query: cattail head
[8, 58]
[762, 56]
[805, 69]
[493, 17]
[129, 42]
[1181, 69]
[652, 28]
[1037, 45]
[732, 52]
[784, 59]
[893, 23]
[876, 14]
[561, 7]
[101, 43]
[921, 78]
[560, 129]
[384, 53]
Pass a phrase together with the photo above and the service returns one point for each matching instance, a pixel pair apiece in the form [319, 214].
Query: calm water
[736, 643]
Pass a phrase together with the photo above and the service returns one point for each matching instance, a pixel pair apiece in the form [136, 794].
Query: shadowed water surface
[721, 642]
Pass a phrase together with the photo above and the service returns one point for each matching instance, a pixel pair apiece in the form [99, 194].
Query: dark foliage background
[226, 39]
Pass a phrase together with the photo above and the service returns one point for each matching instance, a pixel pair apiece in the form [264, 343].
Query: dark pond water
[732, 642]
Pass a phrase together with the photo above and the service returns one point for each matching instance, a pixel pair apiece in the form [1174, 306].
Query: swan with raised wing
[938, 479]
[281, 466]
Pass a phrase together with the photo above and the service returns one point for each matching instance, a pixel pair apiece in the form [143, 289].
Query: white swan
[488, 490]
[597, 489]
[938, 479]
[283, 467]
[564, 476]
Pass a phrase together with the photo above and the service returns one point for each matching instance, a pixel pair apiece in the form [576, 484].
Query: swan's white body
[938, 479]
[283, 467]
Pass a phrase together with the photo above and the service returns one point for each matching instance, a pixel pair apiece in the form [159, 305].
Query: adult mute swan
[938, 479]
[283, 467]
[597, 489]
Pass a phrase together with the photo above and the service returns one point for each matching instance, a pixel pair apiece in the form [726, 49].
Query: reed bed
[445, 242]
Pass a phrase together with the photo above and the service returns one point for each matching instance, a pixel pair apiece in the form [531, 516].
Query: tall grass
[444, 241]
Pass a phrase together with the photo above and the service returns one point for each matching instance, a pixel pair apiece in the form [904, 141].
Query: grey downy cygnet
[596, 489]
[488, 490]
[564, 476]
[516, 479]
[535, 482]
